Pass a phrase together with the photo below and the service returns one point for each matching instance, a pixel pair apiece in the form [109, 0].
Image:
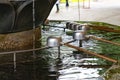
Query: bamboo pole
[103, 28]
[21, 51]
[107, 41]
[92, 53]
[33, 16]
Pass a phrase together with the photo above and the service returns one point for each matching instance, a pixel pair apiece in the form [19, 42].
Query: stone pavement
[100, 10]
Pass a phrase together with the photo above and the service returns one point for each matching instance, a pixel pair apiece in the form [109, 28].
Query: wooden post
[79, 9]
[83, 3]
[92, 53]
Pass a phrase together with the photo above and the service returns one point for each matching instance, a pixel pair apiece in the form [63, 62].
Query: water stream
[72, 65]
[72, 60]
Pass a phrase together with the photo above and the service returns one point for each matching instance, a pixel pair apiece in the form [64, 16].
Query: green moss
[70, 33]
[116, 70]
[111, 73]
[116, 27]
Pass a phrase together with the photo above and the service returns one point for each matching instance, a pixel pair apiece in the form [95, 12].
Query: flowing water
[74, 64]
[71, 65]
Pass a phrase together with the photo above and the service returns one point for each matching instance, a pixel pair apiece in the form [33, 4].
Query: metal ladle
[79, 36]
[53, 41]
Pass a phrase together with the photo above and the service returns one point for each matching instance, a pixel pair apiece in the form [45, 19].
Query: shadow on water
[27, 68]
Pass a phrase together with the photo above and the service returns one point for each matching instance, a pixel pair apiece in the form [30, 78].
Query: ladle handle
[103, 40]
[92, 53]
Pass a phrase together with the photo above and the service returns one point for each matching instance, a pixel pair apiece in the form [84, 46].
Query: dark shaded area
[7, 16]
[33, 70]
[17, 16]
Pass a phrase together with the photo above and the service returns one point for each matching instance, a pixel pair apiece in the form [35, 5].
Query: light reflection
[79, 73]
[70, 69]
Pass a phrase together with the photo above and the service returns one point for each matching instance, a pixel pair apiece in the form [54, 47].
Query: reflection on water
[78, 73]
[72, 65]
[72, 60]
[25, 71]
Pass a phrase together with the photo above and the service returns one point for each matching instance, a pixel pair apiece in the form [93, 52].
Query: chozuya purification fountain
[17, 19]
[80, 35]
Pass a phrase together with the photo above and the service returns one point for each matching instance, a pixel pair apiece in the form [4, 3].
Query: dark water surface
[33, 70]
[40, 70]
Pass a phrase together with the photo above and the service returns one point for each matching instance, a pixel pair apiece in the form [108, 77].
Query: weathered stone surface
[19, 40]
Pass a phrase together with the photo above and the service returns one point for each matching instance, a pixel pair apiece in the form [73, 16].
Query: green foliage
[116, 27]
